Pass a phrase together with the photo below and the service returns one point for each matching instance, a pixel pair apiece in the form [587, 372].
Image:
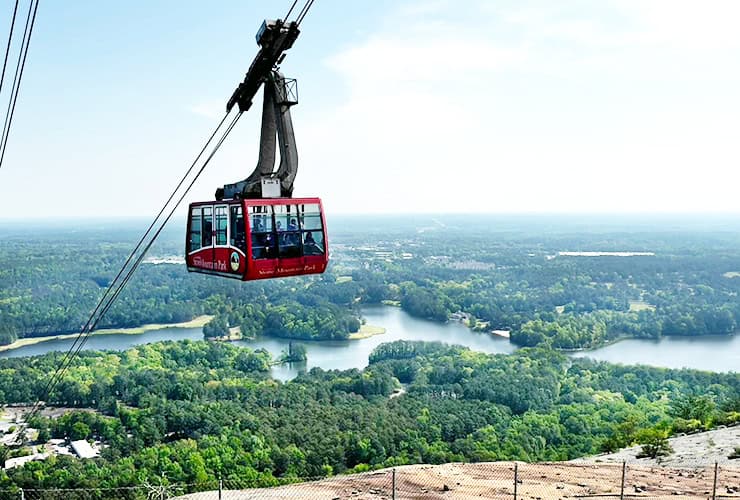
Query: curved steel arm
[280, 95]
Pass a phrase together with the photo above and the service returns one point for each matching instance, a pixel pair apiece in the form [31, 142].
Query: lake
[706, 353]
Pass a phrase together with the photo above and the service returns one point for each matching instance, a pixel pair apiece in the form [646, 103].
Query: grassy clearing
[639, 305]
[367, 331]
[344, 279]
[194, 323]
[394, 303]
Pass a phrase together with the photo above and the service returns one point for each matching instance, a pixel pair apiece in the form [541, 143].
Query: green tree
[80, 430]
[654, 443]
[217, 327]
[296, 352]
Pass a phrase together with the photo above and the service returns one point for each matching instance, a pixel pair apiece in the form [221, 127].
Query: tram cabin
[278, 237]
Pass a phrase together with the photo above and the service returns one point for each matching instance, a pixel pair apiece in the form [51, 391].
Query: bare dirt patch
[496, 480]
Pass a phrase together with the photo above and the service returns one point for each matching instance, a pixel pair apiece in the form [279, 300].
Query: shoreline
[197, 322]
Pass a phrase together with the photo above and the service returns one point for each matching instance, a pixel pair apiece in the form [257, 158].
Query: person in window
[279, 226]
[240, 239]
[258, 226]
[262, 246]
[293, 226]
[310, 247]
[207, 227]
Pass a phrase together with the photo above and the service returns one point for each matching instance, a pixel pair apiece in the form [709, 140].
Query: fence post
[516, 477]
[714, 484]
[624, 473]
[393, 483]
[220, 486]
[23, 495]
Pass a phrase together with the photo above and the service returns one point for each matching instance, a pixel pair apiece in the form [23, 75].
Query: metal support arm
[280, 95]
[274, 38]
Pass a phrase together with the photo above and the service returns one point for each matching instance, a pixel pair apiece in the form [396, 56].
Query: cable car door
[200, 256]
[262, 242]
[220, 239]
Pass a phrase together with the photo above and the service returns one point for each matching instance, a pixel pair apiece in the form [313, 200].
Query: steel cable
[7, 49]
[106, 302]
[20, 66]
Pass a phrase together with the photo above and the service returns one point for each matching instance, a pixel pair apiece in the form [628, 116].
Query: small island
[295, 353]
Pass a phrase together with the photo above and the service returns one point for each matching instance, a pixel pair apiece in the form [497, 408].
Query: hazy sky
[405, 106]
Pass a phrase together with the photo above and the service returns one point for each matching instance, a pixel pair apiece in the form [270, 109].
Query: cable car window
[195, 222]
[222, 222]
[286, 217]
[289, 235]
[290, 244]
[311, 217]
[264, 242]
[313, 243]
[237, 238]
[207, 239]
[263, 246]
[261, 219]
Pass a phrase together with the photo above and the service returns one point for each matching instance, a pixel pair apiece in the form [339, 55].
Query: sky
[499, 106]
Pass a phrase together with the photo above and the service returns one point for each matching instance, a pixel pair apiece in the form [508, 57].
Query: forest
[191, 412]
[522, 278]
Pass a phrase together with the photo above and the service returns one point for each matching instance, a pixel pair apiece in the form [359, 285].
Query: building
[83, 449]
[19, 461]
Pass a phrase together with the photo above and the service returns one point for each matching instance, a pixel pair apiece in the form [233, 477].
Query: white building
[83, 449]
[18, 461]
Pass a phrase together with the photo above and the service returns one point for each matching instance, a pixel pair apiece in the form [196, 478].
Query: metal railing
[494, 480]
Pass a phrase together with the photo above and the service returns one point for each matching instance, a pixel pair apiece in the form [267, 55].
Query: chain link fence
[498, 480]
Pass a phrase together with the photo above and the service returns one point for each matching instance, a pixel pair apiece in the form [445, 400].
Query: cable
[93, 321]
[304, 11]
[151, 242]
[139, 260]
[285, 19]
[161, 227]
[28, 31]
[87, 327]
[7, 49]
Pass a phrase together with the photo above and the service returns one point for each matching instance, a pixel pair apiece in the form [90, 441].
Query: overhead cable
[285, 18]
[20, 66]
[116, 286]
[7, 49]
[304, 11]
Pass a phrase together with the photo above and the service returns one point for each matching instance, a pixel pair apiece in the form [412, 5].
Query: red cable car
[278, 237]
[254, 229]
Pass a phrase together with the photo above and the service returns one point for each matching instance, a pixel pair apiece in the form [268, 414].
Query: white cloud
[527, 109]
[686, 24]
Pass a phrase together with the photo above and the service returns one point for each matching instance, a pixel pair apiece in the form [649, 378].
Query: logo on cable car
[234, 261]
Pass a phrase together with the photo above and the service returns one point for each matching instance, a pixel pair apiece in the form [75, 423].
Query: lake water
[705, 353]
[719, 353]
[345, 354]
